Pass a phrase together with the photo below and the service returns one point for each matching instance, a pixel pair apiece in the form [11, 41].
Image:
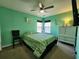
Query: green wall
[57, 20]
[11, 20]
[77, 45]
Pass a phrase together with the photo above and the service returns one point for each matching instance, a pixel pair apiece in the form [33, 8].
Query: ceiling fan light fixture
[42, 11]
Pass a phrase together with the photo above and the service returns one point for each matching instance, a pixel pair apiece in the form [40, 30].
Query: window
[39, 27]
[47, 27]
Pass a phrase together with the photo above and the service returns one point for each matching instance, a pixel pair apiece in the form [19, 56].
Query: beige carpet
[60, 51]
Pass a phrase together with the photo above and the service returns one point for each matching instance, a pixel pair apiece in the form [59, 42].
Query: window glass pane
[47, 27]
[39, 27]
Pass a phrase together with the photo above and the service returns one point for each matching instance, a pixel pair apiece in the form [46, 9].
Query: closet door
[67, 34]
[70, 32]
[0, 37]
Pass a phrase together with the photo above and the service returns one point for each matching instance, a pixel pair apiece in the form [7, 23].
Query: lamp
[68, 22]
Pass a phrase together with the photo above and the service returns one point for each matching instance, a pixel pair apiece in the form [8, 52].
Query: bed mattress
[38, 42]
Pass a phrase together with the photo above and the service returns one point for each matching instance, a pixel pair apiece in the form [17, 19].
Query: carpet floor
[60, 51]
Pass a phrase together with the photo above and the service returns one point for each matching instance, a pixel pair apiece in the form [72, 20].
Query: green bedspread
[38, 42]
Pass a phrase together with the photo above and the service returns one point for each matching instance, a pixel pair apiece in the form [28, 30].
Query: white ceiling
[60, 6]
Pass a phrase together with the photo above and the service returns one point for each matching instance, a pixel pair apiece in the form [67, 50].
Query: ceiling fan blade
[49, 7]
[41, 5]
[33, 10]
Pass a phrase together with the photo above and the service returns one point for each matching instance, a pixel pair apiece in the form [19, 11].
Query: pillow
[30, 33]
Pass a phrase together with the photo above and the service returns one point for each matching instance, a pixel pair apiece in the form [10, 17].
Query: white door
[0, 37]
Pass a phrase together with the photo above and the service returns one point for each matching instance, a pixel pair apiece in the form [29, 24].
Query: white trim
[6, 45]
[0, 39]
[0, 49]
[9, 45]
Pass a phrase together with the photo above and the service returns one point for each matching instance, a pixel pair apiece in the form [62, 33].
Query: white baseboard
[73, 43]
[9, 45]
[6, 45]
[0, 49]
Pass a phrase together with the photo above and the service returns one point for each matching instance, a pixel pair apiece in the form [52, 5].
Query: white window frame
[39, 27]
[47, 27]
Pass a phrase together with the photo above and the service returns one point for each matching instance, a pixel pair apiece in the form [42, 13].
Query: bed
[39, 43]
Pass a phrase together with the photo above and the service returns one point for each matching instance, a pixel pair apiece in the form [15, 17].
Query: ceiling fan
[42, 8]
